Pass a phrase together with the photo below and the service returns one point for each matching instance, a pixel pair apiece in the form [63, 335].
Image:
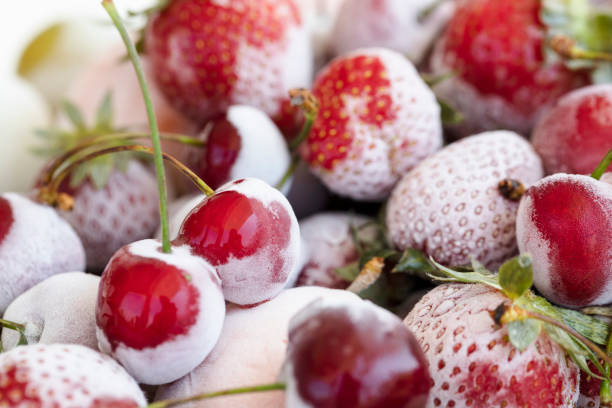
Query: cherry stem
[114, 138]
[604, 392]
[235, 391]
[567, 48]
[56, 182]
[603, 166]
[592, 346]
[19, 328]
[110, 8]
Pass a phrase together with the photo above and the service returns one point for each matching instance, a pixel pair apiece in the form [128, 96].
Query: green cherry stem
[235, 391]
[114, 138]
[603, 166]
[52, 189]
[604, 392]
[567, 48]
[110, 8]
[19, 328]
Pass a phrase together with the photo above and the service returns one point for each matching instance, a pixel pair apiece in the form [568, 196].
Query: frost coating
[39, 244]
[449, 205]
[58, 310]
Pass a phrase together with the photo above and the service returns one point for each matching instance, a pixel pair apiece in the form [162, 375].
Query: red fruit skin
[473, 364]
[248, 231]
[351, 356]
[144, 302]
[565, 223]
[590, 388]
[497, 49]
[209, 55]
[6, 218]
[574, 135]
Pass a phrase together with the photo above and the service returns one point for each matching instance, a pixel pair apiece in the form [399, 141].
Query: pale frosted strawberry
[473, 364]
[377, 120]
[35, 243]
[329, 245]
[449, 206]
[396, 24]
[60, 309]
[211, 55]
[124, 211]
[65, 376]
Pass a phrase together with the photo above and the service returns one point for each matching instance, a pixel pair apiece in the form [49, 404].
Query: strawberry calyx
[527, 314]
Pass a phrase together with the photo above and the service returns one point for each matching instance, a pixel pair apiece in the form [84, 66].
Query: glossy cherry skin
[248, 231]
[6, 218]
[223, 143]
[355, 356]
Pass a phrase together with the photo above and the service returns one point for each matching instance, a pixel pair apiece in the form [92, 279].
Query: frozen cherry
[158, 314]
[353, 354]
[248, 231]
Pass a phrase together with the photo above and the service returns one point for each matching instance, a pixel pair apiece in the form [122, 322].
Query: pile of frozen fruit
[311, 203]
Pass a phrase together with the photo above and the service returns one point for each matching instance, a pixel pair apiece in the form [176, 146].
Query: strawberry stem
[235, 391]
[603, 166]
[110, 8]
[50, 194]
[113, 138]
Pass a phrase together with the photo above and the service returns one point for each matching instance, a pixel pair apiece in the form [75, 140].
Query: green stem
[295, 160]
[159, 162]
[604, 392]
[603, 166]
[57, 181]
[236, 391]
[19, 328]
[295, 143]
[114, 137]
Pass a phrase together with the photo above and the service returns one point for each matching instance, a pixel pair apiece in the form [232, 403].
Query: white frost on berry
[394, 24]
[449, 206]
[124, 211]
[64, 376]
[453, 326]
[251, 351]
[39, 244]
[58, 310]
[263, 152]
[174, 358]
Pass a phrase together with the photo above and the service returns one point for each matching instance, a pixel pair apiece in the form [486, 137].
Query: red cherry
[249, 232]
[6, 218]
[144, 302]
[222, 147]
[354, 354]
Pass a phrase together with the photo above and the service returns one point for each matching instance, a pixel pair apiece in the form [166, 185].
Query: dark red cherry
[6, 218]
[222, 147]
[355, 355]
[144, 302]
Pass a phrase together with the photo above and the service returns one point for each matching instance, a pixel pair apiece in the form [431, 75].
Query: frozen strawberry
[565, 223]
[64, 376]
[329, 245]
[352, 353]
[35, 243]
[255, 341]
[450, 207]
[207, 56]
[158, 314]
[497, 50]
[377, 120]
[576, 133]
[242, 143]
[249, 233]
[123, 211]
[58, 310]
[409, 27]
[473, 364]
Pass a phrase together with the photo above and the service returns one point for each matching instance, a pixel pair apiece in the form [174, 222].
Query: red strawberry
[123, 211]
[449, 205]
[209, 55]
[329, 245]
[576, 133]
[565, 222]
[473, 364]
[35, 243]
[377, 120]
[64, 376]
[496, 48]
